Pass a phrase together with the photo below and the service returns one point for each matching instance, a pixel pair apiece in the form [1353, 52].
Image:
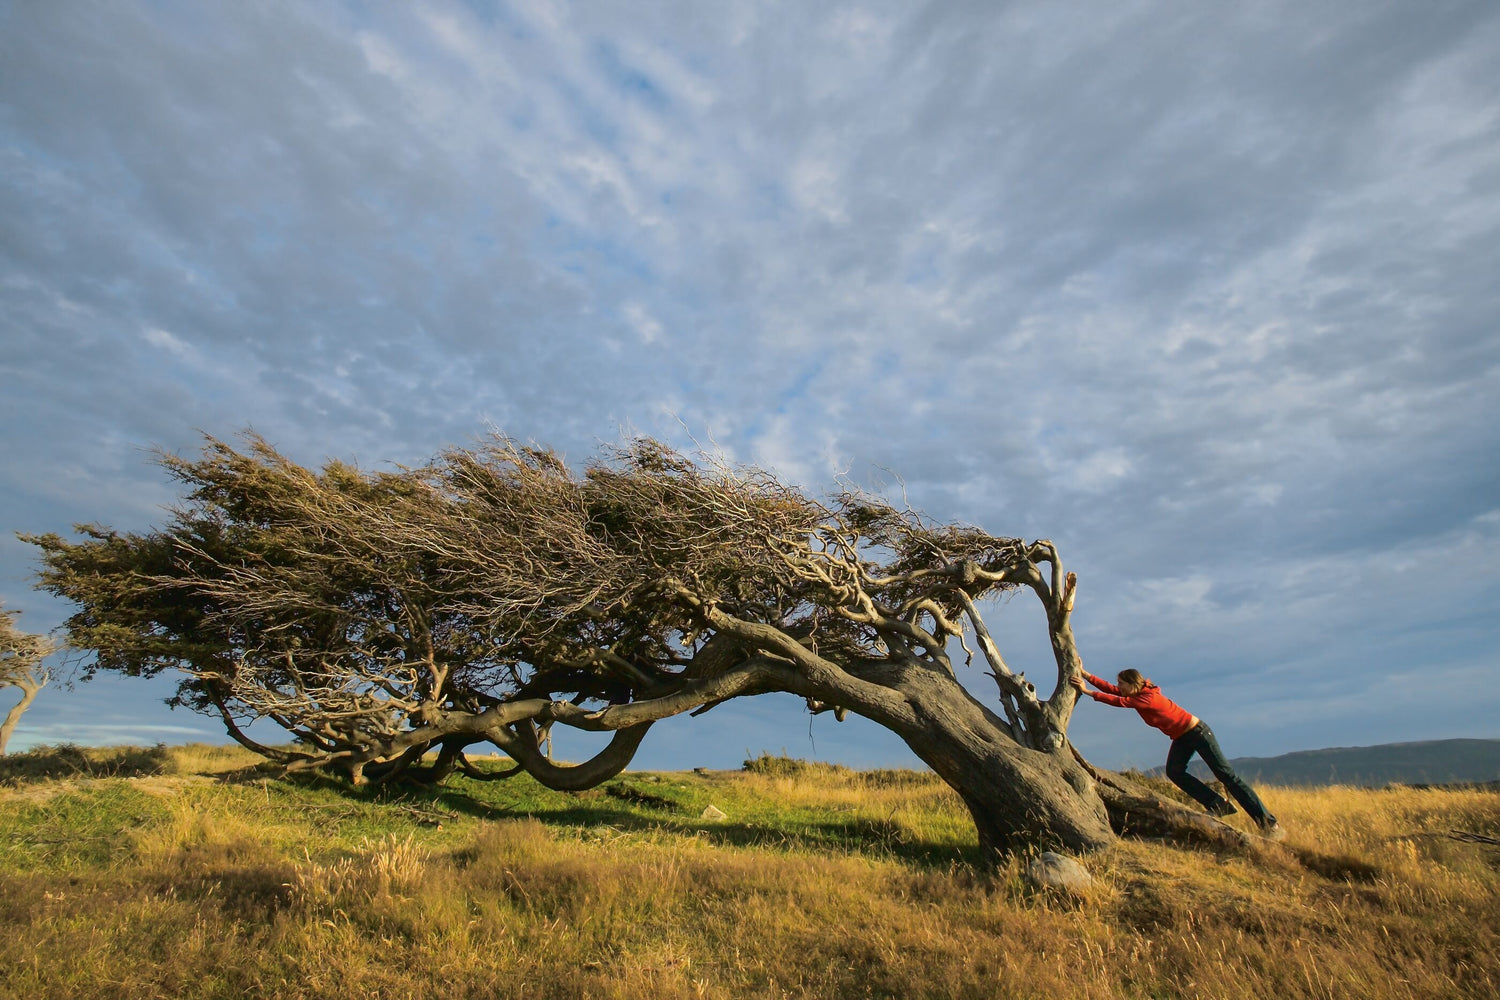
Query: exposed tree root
[1135, 811]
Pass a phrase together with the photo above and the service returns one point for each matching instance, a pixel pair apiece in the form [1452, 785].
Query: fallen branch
[1472, 838]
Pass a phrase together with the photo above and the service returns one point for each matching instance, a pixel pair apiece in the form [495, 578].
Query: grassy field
[185, 872]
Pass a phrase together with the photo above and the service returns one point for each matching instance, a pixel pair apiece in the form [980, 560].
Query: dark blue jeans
[1200, 740]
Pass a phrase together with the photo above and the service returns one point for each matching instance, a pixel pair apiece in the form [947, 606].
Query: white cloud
[817, 184]
[173, 345]
[110, 734]
[641, 321]
[1175, 596]
[1099, 471]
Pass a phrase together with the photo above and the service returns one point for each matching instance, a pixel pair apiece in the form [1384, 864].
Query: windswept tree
[495, 593]
[21, 656]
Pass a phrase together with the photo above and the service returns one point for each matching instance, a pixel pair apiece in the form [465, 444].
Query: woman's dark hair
[1132, 678]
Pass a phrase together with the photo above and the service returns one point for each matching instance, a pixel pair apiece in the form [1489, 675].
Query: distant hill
[1429, 762]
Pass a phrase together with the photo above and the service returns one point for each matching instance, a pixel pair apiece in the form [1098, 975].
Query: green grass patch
[79, 828]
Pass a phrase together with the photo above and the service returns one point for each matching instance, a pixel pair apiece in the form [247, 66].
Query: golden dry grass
[822, 883]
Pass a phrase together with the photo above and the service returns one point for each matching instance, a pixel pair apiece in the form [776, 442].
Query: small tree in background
[495, 593]
[21, 656]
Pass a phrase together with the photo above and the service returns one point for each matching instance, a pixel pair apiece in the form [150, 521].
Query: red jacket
[1156, 708]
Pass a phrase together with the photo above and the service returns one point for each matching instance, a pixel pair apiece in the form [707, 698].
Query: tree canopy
[495, 592]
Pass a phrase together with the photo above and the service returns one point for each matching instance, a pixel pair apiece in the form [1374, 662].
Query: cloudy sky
[1206, 293]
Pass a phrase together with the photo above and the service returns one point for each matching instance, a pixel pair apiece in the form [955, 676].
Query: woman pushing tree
[1189, 735]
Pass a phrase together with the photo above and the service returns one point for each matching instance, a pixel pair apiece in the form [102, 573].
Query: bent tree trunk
[1019, 797]
[1016, 795]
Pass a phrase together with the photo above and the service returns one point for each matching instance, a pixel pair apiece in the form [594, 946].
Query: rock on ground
[1053, 870]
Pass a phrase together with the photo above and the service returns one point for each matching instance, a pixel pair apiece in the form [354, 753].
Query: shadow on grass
[607, 808]
[877, 838]
[70, 761]
[1337, 867]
